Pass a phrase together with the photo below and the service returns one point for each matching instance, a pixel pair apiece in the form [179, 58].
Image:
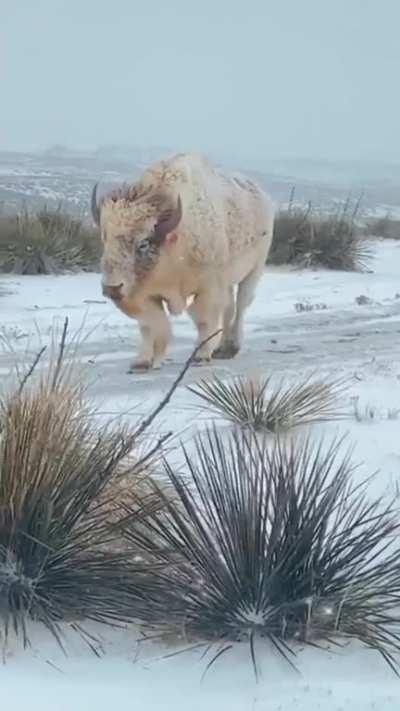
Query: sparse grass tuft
[47, 242]
[309, 239]
[273, 407]
[273, 544]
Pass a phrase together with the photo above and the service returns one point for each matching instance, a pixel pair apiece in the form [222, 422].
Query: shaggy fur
[185, 230]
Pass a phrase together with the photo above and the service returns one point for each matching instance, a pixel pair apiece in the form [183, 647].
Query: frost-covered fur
[185, 230]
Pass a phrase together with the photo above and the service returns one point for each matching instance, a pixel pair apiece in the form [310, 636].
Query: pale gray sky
[311, 78]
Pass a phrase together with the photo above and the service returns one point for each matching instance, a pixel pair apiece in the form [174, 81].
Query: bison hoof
[140, 366]
[228, 350]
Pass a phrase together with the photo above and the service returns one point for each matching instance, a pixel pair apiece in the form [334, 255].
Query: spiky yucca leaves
[59, 559]
[273, 544]
[47, 242]
[273, 407]
[336, 242]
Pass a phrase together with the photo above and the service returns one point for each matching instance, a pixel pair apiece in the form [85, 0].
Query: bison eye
[143, 245]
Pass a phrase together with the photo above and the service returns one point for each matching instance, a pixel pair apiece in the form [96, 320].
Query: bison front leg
[206, 311]
[233, 332]
[156, 335]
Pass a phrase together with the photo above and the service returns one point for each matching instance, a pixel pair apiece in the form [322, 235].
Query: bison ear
[95, 207]
[168, 221]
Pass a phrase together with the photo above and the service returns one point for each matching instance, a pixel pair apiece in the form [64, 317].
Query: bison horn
[168, 221]
[94, 206]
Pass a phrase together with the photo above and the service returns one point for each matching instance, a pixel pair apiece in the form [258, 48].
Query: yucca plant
[305, 237]
[270, 405]
[60, 560]
[336, 242]
[272, 544]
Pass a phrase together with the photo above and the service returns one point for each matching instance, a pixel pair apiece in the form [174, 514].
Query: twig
[61, 352]
[148, 420]
[147, 456]
[31, 370]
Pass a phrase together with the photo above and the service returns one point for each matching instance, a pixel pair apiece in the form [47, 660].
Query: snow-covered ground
[301, 321]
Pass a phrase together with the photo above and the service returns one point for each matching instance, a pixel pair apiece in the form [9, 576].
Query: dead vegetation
[59, 560]
[64, 481]
[308, 238]
[47, 242]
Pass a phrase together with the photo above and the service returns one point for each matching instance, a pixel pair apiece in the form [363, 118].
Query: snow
[146, 678]
[361, 341]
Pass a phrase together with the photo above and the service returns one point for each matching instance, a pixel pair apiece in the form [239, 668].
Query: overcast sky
[278, 78]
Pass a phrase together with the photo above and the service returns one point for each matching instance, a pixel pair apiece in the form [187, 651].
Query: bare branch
[61, 352]
[31, 370]
[165, 400]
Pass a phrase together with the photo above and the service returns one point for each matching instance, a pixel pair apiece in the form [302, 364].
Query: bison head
[135, 231]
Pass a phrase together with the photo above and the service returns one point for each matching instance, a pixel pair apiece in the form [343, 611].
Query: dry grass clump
[47, 242]
[272, 545]
[309, 239]
[67, 484]
[60, 557]
[269, 406]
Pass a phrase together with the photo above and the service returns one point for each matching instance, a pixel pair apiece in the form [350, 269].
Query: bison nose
[113, 292]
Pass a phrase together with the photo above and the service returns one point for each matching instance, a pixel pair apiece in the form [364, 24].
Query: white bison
[184, 232]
